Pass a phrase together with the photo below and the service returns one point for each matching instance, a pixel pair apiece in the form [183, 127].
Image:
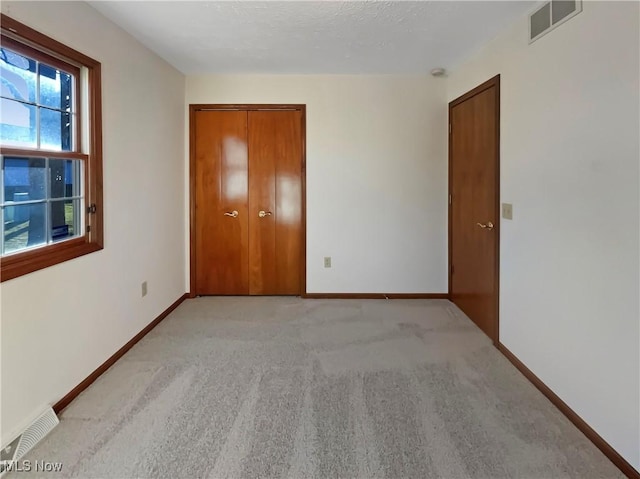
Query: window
[50, 148]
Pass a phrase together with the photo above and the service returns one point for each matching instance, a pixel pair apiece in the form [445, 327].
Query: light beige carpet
[285, 387]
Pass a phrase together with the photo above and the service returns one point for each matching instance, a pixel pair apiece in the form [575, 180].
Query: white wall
[376, 175]
[60, 323]
[569, 267]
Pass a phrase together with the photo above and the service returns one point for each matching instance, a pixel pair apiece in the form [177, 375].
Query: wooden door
[275, 202]
[474, 212]
[221, 229]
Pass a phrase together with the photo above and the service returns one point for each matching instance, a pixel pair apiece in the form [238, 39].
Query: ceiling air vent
[550, 15]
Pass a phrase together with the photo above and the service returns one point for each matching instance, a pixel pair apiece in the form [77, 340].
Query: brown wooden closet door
[275, 189]
[474, 223]
[222, 226]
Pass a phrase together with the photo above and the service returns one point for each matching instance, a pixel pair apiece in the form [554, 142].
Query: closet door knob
[262, 213]
[233, 214]
[488, 226]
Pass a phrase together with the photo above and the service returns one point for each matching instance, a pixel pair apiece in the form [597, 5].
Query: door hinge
[92, 208]
[88, 229]
[450, 129]
[450, 199]
[452, 269]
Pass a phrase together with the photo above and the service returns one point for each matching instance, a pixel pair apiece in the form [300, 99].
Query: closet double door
[247, 231]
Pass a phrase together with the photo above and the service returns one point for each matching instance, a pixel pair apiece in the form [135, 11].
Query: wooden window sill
[19, 264]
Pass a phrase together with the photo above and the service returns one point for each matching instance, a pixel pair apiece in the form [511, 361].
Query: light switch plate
[507, 211]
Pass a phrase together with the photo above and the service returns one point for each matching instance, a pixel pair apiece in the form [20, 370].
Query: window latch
[91, 209]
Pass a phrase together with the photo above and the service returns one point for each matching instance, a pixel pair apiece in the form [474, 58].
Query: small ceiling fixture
[438, 72]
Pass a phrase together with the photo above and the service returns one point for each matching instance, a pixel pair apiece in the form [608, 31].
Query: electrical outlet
[144, 289]
[327, 261]
[507, 211]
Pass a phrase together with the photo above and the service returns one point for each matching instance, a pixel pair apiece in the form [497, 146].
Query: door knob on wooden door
[263, 213]
[233, 214]
[488, 226]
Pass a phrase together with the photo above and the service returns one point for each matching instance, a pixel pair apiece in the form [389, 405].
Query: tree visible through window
[50, 186]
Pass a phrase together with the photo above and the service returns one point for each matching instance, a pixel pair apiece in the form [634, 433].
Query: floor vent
[28, 439]
[550, 15]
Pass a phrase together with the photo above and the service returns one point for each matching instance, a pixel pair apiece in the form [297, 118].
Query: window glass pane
[55, 88]
[55, 130]
[65, 219]
[25, 179]
[24, 226]
[18, 76]
[65, 178]
[17, 124]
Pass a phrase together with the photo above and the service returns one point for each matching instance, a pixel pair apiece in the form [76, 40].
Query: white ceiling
[313, 36]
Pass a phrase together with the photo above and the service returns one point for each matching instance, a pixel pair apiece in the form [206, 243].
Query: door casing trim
[492, 82]
[193, 108]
